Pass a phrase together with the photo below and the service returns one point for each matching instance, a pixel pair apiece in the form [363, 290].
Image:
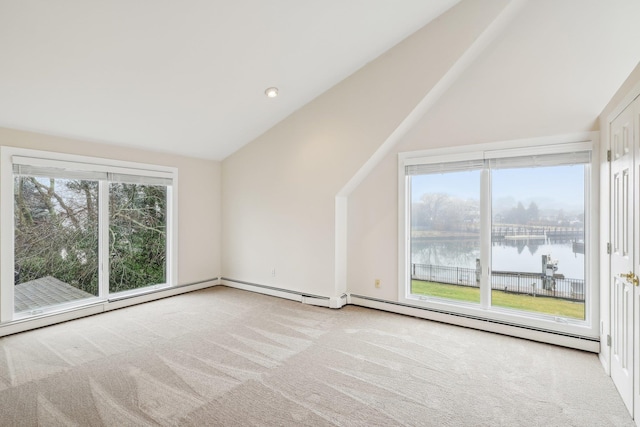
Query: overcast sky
[550, 187]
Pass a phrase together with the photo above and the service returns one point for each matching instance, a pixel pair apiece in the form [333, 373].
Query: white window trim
[547, 145]
[47, 158]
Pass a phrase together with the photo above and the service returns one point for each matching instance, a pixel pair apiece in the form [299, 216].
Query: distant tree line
[443, 212]
[520, 215]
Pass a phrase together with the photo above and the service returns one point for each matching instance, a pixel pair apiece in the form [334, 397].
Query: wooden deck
[44, 292]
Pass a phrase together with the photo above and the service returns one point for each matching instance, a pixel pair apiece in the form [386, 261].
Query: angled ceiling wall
[551, 71]
[279, 191]
[546, 73]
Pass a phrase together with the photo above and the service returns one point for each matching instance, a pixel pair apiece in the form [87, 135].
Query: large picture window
[82, 231]
[500, 234]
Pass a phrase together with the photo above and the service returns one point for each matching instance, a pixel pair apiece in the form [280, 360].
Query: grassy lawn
[547, 305]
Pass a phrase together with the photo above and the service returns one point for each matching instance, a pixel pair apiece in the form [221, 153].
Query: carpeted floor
[233, 358]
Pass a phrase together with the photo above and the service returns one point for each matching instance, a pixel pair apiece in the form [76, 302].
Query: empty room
[302, 212]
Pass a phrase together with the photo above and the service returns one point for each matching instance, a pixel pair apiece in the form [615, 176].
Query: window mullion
[485, 238]
[103, 209]
[7, 225]
[171, 263]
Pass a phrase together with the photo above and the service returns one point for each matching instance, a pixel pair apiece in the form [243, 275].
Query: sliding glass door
[137, 236]
[445, 235]
[538, 239]
[83, 230]
[499, 234]
[56, 241]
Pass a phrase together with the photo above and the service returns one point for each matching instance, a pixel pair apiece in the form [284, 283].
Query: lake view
[513, 256]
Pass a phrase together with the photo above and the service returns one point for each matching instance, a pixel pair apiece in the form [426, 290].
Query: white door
[622, 255]
[635, 109]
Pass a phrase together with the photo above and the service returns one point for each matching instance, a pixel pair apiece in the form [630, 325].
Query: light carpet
[227, 357]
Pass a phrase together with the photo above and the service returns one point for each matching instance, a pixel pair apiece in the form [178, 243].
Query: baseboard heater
[504, 328]
[97, 307]
[490, 325]
[161, 289]
[304, 297]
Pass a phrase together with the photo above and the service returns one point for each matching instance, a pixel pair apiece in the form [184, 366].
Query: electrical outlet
[377, 282]
[273, 272]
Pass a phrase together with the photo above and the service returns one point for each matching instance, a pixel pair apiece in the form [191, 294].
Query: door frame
[623, 253]
[538, 326]
[605, 231]
[15, 155]
[606, 201]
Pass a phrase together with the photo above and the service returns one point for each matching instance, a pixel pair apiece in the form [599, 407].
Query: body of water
[505, 256]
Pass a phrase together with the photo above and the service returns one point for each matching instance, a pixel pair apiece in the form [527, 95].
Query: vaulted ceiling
[189, 77]
[185, 76]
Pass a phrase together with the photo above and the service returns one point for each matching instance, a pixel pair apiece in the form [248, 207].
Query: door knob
[631, 278]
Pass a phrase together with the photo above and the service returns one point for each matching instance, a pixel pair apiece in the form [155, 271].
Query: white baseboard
[605, 363]
[99, 307]
[548, 337]
[115, 304]
[339, 302]
[260, 289]
[576, 342]
[321, 301]
[317, 300]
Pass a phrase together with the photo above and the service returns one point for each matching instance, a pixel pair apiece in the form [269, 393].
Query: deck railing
[508, 281]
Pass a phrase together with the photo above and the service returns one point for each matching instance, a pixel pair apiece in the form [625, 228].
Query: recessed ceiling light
[271, 92]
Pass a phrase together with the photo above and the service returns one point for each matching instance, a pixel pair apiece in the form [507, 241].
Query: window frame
[469, 153]
[89, 165]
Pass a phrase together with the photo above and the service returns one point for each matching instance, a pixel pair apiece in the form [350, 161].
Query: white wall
[526, 85]
[279, 191]
[199, 189]
[540, 77]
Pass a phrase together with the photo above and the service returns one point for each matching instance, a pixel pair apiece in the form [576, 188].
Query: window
[82, 230]
[501, 234]
[445, 238]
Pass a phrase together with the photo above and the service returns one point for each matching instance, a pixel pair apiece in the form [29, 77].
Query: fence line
[505, 231]
[507, 281]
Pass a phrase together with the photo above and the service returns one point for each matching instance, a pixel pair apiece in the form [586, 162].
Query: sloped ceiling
[187, 76]
[552, 71]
